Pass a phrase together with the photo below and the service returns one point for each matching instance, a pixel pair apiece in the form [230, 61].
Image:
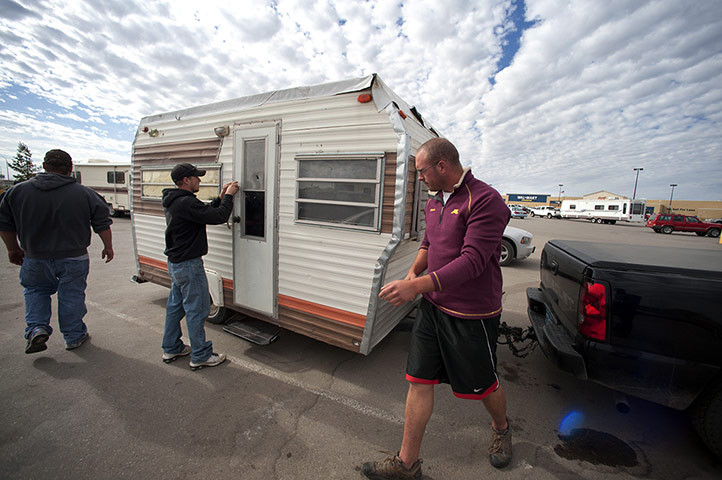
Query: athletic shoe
[76, 344]
[500, 447]
[213, 360]
[37, 341]
[169, 357]
[391, 468]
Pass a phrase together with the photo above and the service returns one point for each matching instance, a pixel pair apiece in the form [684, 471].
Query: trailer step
[251, 329]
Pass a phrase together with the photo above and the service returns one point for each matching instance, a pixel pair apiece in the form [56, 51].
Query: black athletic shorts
[457, 351]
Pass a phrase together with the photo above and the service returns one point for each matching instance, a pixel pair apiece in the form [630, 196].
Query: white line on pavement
[271, 373]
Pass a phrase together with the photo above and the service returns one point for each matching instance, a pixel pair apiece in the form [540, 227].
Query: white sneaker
[169, 357]
[213, 360]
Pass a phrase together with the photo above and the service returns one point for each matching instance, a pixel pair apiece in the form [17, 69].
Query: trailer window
[572, 207]
[153, 180]
[116, 177]
[339, 190]
[613, 207]
[598, 207]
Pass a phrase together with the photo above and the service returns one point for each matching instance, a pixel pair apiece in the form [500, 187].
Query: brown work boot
[391, 468]
[500, 447]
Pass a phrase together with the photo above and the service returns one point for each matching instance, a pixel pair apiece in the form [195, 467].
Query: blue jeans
[43, 278]
[188, 296]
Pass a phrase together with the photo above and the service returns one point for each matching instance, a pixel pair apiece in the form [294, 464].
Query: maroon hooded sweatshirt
[463, 239]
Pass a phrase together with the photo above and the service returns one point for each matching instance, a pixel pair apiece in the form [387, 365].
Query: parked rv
[330, 207]
[604, 210]
[110, 180]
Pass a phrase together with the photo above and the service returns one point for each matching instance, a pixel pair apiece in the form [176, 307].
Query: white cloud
[596, 88]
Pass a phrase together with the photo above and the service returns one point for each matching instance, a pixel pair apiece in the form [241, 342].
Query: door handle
[235, 219]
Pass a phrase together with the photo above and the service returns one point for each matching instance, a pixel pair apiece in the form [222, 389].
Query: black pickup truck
[645, 321]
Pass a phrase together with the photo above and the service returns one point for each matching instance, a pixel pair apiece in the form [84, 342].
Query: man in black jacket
[51, 214]
[186, 242]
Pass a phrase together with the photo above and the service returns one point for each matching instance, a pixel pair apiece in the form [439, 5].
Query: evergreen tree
[23, 163]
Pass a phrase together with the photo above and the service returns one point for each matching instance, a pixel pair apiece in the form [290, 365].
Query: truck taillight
[593, 311]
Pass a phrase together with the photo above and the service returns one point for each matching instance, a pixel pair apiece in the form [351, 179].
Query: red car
[666, 223]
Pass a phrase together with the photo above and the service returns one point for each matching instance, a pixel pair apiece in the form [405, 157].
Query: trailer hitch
[520, 341]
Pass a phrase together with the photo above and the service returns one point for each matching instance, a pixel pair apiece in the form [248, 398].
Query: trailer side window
[598, 207]
[572, 207]
[613, 207]
[153, 180]
[339, 190]
[116, 177]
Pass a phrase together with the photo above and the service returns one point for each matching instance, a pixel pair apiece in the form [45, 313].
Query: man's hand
[107, 254]
[398, 292]
[229, 188]
[16, 256]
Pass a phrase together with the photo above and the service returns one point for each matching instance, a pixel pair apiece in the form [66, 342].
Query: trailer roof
[381, 93]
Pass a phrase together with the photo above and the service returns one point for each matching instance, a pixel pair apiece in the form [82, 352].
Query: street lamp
[671, 195]
[634, 195]
[559, 199]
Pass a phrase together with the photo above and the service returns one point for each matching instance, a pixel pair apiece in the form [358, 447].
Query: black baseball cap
[183, 170]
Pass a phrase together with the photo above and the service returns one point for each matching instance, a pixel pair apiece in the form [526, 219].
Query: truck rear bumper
[553, 338]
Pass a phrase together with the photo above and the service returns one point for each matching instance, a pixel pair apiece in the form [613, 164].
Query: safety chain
[515, 335]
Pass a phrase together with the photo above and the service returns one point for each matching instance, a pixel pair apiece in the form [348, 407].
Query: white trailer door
[255, 157]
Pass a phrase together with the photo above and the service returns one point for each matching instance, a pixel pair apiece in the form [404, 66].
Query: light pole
[671, 195]
[634, 195]
[559, 198]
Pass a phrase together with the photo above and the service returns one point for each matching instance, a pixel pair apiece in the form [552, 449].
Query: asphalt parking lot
[300, 409]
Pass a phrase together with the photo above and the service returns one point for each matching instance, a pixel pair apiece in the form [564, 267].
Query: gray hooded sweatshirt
[52, 215]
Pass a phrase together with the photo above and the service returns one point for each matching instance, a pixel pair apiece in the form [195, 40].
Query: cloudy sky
[534, 93]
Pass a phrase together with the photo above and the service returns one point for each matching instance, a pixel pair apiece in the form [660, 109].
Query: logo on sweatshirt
[455, 211]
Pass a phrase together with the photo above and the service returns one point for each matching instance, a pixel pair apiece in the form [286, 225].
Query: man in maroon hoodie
[454, 337]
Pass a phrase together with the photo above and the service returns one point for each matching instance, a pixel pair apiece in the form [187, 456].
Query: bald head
[438, 149]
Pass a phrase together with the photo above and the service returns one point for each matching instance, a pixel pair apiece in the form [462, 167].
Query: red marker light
[364, 98]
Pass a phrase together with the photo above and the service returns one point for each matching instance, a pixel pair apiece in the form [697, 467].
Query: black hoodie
[186, 218]
[52, 215]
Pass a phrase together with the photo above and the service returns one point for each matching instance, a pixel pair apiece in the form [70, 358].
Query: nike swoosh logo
[477, 390]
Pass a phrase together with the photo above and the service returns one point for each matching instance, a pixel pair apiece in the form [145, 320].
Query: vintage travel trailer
[602, 207]
[110, 180]
[330, 207]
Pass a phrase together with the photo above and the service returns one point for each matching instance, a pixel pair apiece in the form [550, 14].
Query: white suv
[545, 211]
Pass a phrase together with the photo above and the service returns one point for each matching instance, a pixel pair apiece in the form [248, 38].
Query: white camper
[605, 210]
[110, 180]
[329, 208]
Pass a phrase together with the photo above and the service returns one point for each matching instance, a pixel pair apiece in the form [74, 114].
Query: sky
[533, 93]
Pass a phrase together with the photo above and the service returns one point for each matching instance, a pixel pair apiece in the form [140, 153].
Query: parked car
[523, 208]
[716, 220]
[517, 212]
[515, 245]
[545, 211]
[667, 223]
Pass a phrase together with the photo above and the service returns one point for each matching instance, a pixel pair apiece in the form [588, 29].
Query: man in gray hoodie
[51, 216]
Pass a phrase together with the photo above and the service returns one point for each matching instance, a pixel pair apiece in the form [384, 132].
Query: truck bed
[692, 262]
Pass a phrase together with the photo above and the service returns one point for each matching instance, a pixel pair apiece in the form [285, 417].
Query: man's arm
[15, 253]
[200, 212]
[107, 237]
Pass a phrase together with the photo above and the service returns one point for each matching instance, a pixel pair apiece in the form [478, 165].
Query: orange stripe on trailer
[323, 311]
[153, 262]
